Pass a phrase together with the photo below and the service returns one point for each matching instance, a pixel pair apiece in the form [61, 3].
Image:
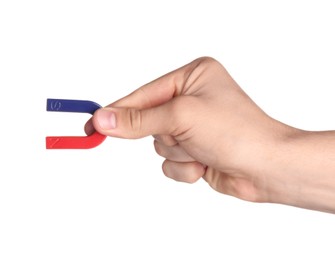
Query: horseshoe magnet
[73, 142]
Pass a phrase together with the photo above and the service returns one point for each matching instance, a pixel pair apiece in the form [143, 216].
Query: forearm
[303, 171]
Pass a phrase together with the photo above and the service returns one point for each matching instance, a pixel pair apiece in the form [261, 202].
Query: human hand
[206, 126]
[203, 124]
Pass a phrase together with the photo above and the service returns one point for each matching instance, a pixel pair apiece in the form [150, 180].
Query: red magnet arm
[73, 142]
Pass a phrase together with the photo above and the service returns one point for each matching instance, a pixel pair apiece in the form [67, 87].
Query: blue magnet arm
[69, 105]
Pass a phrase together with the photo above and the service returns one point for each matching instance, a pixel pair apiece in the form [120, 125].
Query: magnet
[73, 142]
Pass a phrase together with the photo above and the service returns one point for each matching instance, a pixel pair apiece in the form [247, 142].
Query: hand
[203, 124]
[206, 126]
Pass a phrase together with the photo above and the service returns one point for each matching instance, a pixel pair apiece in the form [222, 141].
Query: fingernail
[106, 119]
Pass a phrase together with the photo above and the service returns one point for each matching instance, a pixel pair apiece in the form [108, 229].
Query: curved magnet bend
[73, 142]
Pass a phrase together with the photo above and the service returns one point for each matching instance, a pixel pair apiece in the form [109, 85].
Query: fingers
[159, 90]
[178, 165]
[188, 172]
[167, 140]
[132, 123]
[89, 128]
[172, 153]
[171, 118]
[154, 93]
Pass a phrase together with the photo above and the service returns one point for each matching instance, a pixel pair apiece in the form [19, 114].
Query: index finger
[153, 93]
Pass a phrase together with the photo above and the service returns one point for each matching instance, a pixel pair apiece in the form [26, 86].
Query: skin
[206, 126]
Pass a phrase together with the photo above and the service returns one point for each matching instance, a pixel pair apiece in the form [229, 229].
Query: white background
[113, 202]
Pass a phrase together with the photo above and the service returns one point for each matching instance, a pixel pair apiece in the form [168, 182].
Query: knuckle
[165, 169]
[166, 140]
[158, 148]
[206, 61]
[135, 119]
[194, 174]
[199, 71]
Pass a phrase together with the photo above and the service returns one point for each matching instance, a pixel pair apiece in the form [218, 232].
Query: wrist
[281, 171]
[300, 170]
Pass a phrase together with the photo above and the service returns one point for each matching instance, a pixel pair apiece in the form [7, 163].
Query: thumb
[134, 123]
